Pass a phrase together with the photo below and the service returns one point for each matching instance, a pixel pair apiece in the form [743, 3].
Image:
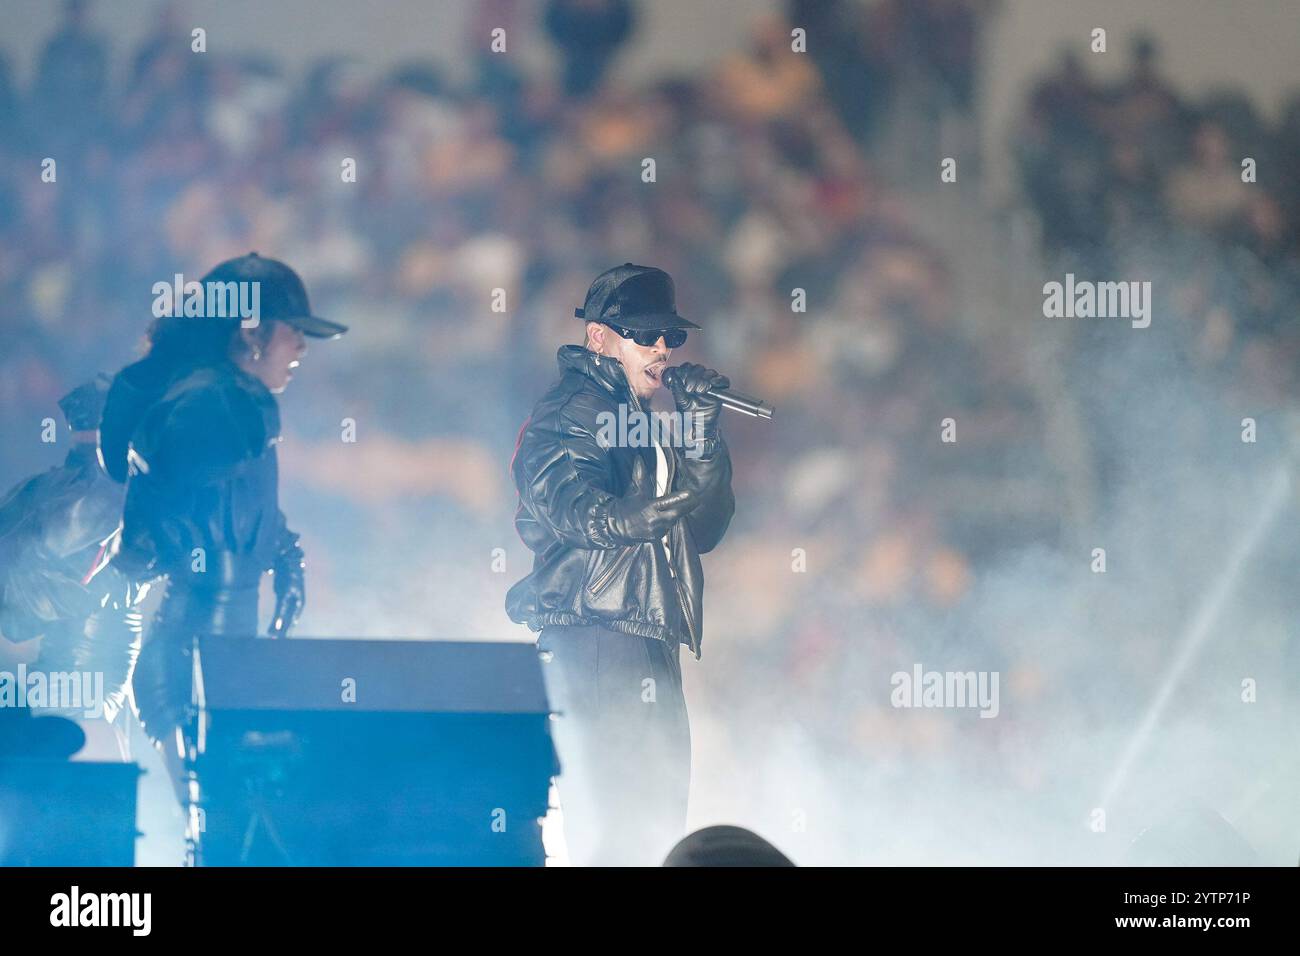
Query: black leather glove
[290, 585]
[690, 384]
[631, 520]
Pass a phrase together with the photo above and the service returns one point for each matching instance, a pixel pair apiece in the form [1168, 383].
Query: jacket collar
[263, 398]
[608, 373]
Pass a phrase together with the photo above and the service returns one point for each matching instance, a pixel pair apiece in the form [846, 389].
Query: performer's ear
[595, 337]
[251, 341]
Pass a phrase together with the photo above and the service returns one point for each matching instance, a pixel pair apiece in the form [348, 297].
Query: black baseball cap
[638, 298]
[281, 294]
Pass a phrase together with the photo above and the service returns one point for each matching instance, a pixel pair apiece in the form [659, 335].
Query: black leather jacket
[202, 509]
[564, 475]
[202, 499]
[54, 530]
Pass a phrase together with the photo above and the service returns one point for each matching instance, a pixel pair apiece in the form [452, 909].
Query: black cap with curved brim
[281, 294]
[638, 298]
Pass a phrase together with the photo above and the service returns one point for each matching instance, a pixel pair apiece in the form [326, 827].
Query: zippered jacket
[568, 465]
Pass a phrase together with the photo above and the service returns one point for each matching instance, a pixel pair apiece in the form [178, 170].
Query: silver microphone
[753, 407]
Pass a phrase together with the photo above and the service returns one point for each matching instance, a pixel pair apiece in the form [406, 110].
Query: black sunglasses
[673, 338]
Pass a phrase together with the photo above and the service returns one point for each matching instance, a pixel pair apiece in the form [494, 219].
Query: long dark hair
[174, 346]
[179, 343]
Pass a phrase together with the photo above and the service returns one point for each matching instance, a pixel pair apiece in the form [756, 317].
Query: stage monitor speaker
[372, 753]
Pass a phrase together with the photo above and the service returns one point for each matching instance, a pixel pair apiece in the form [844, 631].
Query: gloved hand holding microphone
[700, 408]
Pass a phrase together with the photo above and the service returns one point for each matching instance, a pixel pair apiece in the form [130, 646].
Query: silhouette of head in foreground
[725, 846]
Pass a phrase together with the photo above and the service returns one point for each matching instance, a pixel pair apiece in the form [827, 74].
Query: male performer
[617, 530]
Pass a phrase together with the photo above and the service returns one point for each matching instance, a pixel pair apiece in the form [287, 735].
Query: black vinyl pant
[163, 679]
[624, 743]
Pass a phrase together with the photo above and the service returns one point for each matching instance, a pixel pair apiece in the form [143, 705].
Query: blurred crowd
[1202, 193]
[858, 533]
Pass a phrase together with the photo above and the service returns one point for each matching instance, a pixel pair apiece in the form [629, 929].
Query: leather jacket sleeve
[709, 477]
[563, 479]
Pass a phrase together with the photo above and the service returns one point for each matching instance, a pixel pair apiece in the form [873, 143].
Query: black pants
[163, 678]
[624, 743]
